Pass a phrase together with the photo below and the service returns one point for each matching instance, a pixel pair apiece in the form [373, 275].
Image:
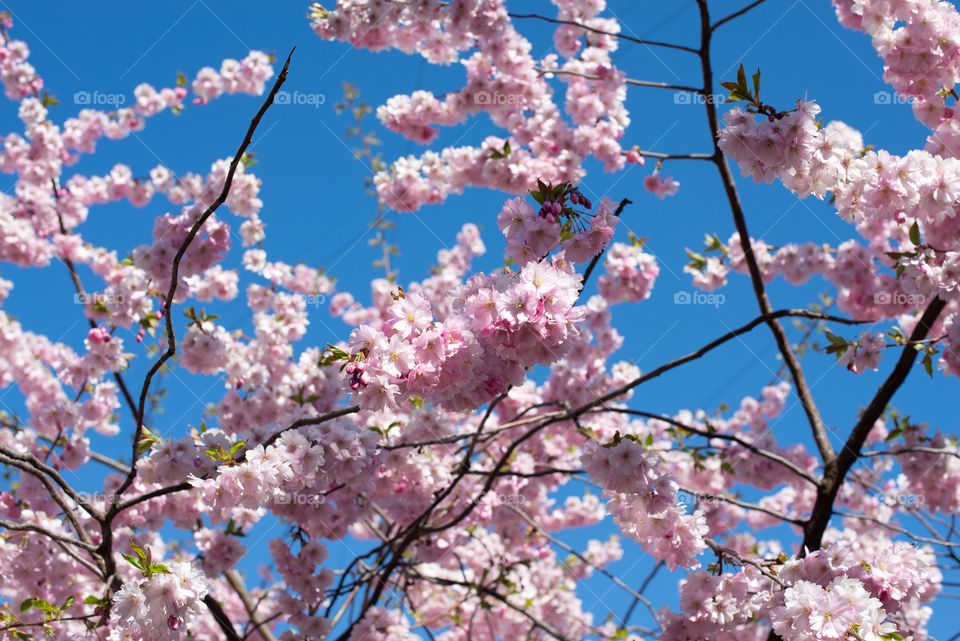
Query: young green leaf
[915, 233]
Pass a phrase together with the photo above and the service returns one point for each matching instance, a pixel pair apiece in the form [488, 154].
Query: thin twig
[651, 43]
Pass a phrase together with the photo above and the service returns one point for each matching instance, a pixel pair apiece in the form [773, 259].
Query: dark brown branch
[912, 450]
[651, 43]
[777, 458]
[643, 587]
[707, 348]
[759, 290]
[216, 610]
[736, 14]
[596, 259]
[32, 527]
[836, 469]
[175, 272]
[314, 420]
[163, 491]
[105, 549]
[78, 287]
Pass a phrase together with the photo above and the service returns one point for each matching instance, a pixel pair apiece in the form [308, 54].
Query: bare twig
[651, 43]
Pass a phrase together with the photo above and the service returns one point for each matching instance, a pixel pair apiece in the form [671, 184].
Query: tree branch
[836, 469]
[651, 43]
[236, 582]
[759, 290]
[175, 272]
[736, 14]
[629, 81]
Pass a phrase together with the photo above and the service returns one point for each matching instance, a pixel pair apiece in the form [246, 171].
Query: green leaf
[46, 606]
[697, 261]
[915, 233]
[756, 85]
[928, 364]
[181, 79]
[68, 603]
[27, 604]
[742, 78]
[139, 550]
[836, 340]
[239, 445]
[713, 243]
[132, 560]
[649, 440]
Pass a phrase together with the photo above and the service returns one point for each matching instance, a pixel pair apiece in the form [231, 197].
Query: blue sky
[316, 210]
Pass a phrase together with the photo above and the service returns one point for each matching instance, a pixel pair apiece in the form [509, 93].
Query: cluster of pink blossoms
[856, 582]
[504, 81]
[643, 502]
[630, 275]
[18, 76]
[814, 613]
[500, 325]
[864, 354]
[906, 207]
[245, 76]
[481, 340]
[531, 235]
[159, 606]
[381, 624]
[661, 186]
[864, 290]
[919, 467]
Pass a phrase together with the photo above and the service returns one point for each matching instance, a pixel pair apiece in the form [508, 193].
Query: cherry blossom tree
[430, 434]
